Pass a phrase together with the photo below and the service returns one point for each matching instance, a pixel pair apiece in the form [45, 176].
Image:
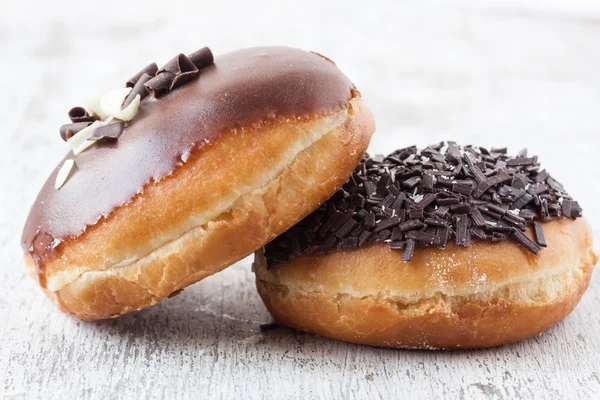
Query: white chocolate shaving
[111, 104]
[131, 110]
[80, 142]
[93, 107]
[63, 173]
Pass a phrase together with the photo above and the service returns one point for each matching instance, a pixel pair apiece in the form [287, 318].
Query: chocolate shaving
[462, 189]
[369, 221]
[422, 237]
[541, 176]
[462, 235]
[519, 181]
[269, 326]
[427, 200]
[427, 182]
[521, 202]
[478, 219]
[519, 162]
[202, 58]
[79, 114]
[448, 201]
[387, 223]
[409, 251]
[434, 222]
[184, 77]
[139, 88]
[497, 209]
[461, 208]
[396, 234]
[150, 70]
[108, 132]
[183, 69]
[571, 208]
[540, 238]
[67, 131]
[501, 176]
[410, 201]
[345, 229]
[178, 65]
[410, 225]
[411, 182]
[160, 84]
[526, 242]
[537, 188]
[349, 243]
[362, 239]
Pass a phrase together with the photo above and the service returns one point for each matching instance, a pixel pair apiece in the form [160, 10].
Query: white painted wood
[491, 73]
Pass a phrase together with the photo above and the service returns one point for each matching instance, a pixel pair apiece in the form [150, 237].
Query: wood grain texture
[490, 73]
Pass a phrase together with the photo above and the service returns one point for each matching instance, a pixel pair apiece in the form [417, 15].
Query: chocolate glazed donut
[200, 178]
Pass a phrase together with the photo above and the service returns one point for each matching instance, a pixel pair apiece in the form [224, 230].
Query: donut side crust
[368, 296]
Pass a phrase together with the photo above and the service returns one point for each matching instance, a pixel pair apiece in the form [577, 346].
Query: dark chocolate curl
[139, 88]
[160, 84]
[202, 58]
[67, 131]
[179, 64]
[108, 132]
[150, 69]
[78, 114]
[183, 77]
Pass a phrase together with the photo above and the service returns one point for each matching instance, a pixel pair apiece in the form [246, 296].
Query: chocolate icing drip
[241, 88]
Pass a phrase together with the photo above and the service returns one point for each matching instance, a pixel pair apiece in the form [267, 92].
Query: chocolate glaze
[240, 88]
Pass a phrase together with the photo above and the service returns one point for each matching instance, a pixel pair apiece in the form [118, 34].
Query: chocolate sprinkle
[475, 195]
[269, 326]
[571, 208]
[409, 251]
[525, 241]
[462, 233]
[150, 69]
[108, 132]
[540, 238]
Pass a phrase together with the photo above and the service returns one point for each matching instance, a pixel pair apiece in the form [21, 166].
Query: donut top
[239, 89]
[426, 198]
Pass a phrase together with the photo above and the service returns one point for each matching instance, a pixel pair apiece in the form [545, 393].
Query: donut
[441, 248]
[188, 169]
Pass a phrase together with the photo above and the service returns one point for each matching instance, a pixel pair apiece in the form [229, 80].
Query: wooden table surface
[488, 73]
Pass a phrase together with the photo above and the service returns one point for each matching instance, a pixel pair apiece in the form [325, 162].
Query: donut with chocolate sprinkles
[444, 247]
